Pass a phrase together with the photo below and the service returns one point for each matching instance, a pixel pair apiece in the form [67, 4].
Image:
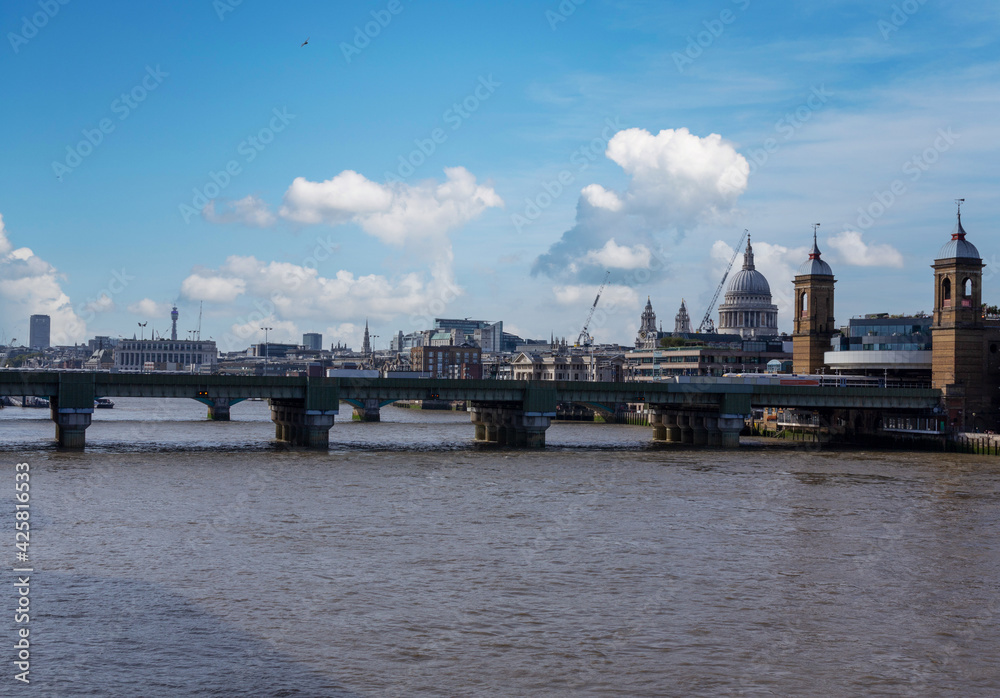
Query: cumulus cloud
[395, 212]
[611, 297]
[678, 180]
[616, 256]
[29, 285]
[211, 287]
[102, 304]
[149, 308]
[678, 177]
[250, 210]
[852, 249]
[282, 292]
[599, 197]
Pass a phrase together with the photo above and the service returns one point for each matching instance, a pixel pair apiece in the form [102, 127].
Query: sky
[496, 161]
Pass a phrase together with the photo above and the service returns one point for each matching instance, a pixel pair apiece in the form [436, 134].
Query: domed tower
[747, 309]
[813, 324]
[958, 333]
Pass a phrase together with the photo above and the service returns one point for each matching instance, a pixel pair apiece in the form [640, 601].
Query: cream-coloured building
[568, 367]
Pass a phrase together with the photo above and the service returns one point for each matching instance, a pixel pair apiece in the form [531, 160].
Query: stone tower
[813, 323]
[366, 346]
[682, 322]
[958, 334]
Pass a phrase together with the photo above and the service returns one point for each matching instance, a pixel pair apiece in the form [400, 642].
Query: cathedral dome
[958, 247]
[749, 281]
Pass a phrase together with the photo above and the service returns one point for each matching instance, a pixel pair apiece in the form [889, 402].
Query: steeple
[748, 256]
[366, 347]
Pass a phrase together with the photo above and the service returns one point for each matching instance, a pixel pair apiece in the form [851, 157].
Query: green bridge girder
[78, 390]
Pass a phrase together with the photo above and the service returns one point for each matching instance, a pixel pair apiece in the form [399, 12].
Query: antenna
[959, 202]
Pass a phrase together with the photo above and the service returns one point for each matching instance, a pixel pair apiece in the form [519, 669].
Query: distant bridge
[704, 411]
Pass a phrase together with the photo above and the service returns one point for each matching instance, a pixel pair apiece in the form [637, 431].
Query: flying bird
[304, 42]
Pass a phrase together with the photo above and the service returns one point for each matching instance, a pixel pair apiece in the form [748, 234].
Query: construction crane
[585, 340]
[707, 325]
[197, 332]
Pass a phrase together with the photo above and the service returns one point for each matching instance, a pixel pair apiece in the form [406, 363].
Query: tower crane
[706, 322]
[585, 340]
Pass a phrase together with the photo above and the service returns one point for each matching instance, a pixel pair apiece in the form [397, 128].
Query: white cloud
[102, 304]
[396, 212]
[678, 177]
[599, 197]
[678, 181]
[250, 210]
[212, 288]
[29, 285]
[295, 295]
[616, 256]
[149, 308]
[851, 249]
[612, 297]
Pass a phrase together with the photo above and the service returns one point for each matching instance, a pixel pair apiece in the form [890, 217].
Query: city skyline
[403, 166]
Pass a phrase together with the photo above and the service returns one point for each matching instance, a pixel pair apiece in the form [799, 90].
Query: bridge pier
[71, 426]
[512, 427]
[298, 426]
[369, 413]
[218, 409]
[714, 439]
[699, 434]
[730, 426]
[684, 425]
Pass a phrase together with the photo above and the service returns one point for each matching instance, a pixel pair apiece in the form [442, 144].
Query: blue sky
[487, 160]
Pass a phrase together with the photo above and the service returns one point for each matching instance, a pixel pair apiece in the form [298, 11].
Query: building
[548, 366]
[682, 322]
[312, 341]
[366, 345]
[273, 350]
[136, 355]
[490, 338]
[173, 323]
[648, 337]
[707, 358]
[966, 345]
[897, 349]
[747, 309]
[39, 332]
[813, 321]
[463, 361]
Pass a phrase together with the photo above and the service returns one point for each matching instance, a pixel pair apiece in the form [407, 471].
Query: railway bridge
[702, 411]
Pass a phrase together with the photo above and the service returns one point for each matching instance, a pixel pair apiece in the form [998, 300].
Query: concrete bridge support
[508, 426]
[684, 424]
[218, 409]
[298, 426]
[699, 434]
[730, 426]
[714, 433]
[368, 413]
[71, 426]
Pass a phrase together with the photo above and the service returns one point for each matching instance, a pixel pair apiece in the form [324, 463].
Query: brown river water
[182, 557]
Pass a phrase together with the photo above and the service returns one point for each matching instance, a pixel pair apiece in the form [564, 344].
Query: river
[178, 556]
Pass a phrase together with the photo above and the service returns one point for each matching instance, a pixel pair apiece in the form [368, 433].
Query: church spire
[748, 256]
